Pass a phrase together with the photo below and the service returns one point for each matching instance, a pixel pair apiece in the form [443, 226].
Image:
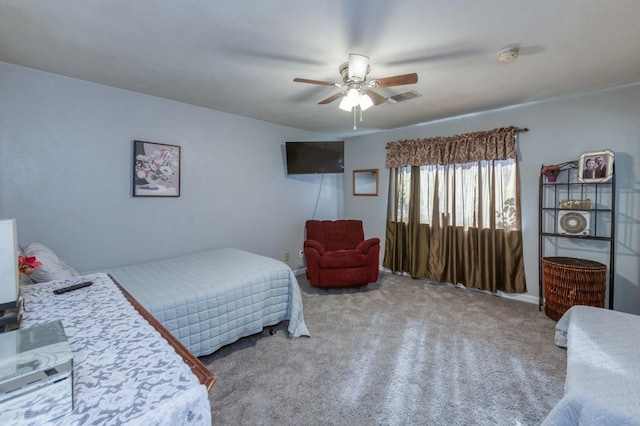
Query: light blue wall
[560, 130]
[65, 175]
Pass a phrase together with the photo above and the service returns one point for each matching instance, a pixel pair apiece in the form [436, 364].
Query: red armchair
[337, 254]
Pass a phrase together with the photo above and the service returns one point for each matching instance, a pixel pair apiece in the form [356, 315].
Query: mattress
[602, 385]
[213, 298]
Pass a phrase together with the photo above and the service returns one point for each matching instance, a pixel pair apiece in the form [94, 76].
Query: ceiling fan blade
[321, 83]
[376, 98]
[397, 80]
[331, 98]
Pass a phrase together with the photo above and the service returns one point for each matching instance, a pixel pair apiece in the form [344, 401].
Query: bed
[206, 299]
[602, 384]
[213, 298]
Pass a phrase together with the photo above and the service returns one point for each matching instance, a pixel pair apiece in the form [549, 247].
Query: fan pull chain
[354, 118]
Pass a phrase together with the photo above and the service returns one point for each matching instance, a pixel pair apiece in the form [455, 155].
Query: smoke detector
[508, 55]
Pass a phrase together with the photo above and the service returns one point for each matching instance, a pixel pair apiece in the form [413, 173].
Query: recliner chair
[337, 254]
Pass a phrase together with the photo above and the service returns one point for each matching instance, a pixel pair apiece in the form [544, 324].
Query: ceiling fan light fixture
[358, 66]
[345, 104]
[354, 96]
[365, 102]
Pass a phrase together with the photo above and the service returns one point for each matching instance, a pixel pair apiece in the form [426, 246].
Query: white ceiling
[242, 56]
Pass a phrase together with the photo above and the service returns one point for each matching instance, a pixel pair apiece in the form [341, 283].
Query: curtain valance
[496, 144]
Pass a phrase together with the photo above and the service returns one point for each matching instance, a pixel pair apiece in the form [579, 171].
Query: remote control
[72, 287]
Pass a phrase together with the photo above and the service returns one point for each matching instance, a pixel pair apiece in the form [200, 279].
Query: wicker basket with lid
[569, 281]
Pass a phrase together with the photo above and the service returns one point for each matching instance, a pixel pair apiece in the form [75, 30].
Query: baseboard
[519, 297]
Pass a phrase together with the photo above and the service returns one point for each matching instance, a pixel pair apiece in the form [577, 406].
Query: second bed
[212, 298]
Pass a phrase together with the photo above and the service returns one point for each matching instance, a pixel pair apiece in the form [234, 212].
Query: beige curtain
[454, 210]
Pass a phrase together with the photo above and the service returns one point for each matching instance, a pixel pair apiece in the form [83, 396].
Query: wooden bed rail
[203, 374]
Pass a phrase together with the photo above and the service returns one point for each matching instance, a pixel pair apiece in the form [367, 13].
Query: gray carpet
[397, 352]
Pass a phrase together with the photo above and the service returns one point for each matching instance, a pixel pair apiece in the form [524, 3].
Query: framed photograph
[595, 167]
[365, 182]
[156, 169]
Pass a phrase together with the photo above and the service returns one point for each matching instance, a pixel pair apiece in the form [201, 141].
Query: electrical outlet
[286, 256]
[301, 253]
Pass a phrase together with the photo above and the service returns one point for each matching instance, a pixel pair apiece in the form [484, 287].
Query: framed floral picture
[596, 166]
[156, 169]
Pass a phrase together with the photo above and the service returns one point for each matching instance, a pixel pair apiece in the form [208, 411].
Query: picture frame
[365, 182]
[156, 169]
[596, 166]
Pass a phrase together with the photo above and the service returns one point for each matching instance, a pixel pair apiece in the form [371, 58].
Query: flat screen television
[315, 157]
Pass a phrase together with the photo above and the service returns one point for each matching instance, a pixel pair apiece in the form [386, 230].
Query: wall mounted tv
[315, 157]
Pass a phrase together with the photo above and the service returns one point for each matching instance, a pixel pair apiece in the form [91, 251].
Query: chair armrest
[367, 244]
[314, 245]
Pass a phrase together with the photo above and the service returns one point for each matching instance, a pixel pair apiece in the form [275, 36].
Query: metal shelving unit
[602, 211]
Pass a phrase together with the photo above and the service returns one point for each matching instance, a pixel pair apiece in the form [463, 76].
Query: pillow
[53, 268]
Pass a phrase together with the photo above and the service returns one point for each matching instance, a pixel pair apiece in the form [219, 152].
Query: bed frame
[203, 374]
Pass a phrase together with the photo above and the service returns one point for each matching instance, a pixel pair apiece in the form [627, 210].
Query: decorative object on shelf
[575, 204]
[156, 169]
[574, 222]
[551, 172]
[596, 167]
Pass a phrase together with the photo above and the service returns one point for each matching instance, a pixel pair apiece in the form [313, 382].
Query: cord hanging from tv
[315, 157]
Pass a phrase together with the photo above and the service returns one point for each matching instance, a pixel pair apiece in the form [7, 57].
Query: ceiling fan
[357, 92]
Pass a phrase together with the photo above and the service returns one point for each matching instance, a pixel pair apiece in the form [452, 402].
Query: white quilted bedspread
[602, 385]
[124, 371]
[212, 298]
